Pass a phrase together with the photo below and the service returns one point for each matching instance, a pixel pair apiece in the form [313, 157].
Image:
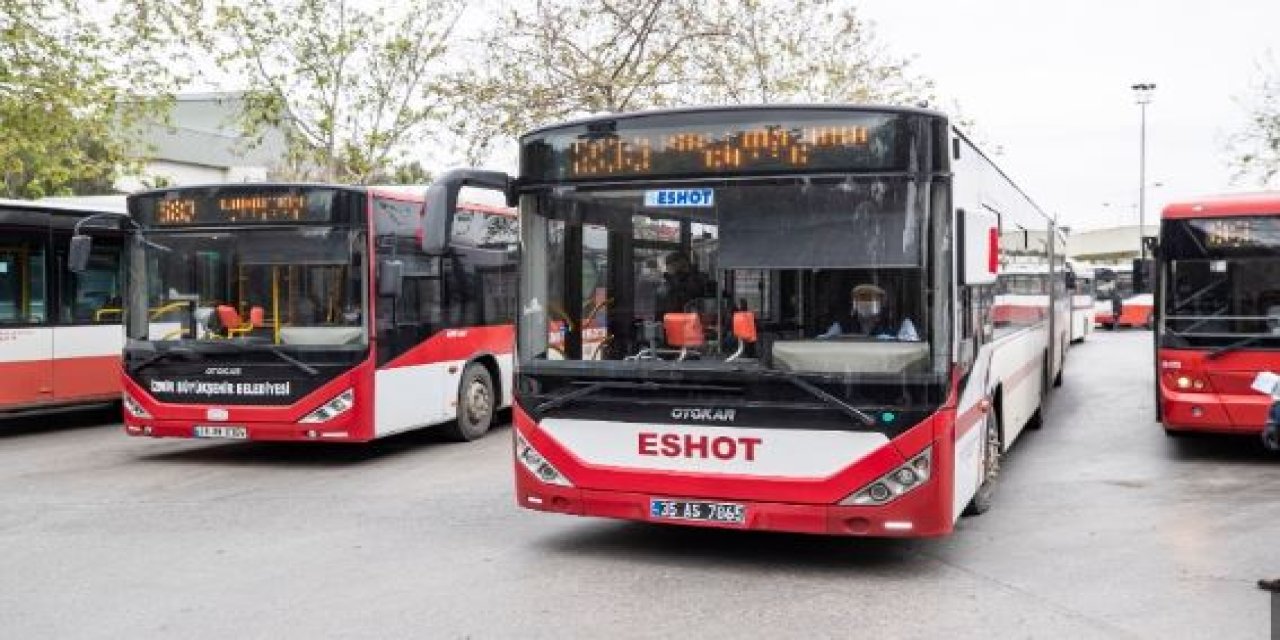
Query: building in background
[1112, 245]
[201, 143]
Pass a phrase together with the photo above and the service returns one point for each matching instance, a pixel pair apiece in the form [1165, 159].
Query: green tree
[1255, 150]
[68, 81]
[354, 86]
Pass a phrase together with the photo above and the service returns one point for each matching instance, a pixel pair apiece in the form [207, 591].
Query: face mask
[866, 308]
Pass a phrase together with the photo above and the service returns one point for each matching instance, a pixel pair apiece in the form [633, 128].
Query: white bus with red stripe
[315, 312]
[1083, 304]
[774, 318]
[60, 334]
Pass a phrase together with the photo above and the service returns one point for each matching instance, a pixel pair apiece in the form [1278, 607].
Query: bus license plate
[722, 512]
[230, 433]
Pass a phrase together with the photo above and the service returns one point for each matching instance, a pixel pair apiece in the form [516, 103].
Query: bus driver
[868, 316]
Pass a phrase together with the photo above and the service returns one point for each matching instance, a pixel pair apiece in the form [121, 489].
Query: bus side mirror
[390, 278]
[1071, 280]
[442, 203]
[78, 253]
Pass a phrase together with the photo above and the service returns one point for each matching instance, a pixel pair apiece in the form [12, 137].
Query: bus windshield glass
[802, 276]
[289, 286]
[1222, 281]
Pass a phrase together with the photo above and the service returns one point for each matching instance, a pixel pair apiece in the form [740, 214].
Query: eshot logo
[657, 198]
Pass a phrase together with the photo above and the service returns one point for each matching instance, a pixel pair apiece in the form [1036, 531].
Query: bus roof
[68, 207]
[605, 117]
[1235, 204]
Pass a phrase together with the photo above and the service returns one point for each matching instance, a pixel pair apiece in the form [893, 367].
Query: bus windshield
[828, 275]
[298, 286]
[1223, 281]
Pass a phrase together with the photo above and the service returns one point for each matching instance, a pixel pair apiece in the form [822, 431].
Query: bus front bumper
[912, 515]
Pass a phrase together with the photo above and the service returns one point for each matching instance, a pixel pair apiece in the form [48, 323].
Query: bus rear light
[339, 405]
[890, 486]
[133, 407]
[537, 465]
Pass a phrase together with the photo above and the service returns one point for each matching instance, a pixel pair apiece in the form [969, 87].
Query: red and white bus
[315, 312]
[1122, 300]
[1083, 303]
[60, 334]
[1218, 273]
[697, 338]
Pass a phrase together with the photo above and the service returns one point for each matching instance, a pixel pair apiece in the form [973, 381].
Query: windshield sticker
[705, 197]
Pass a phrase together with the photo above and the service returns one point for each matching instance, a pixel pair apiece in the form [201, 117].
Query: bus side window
[22, 279]
[93, 296]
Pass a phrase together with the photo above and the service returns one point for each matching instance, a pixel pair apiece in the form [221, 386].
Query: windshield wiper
[832, 400]
[272, 349]
[185, 352]
[591, 387]
[1217, 353]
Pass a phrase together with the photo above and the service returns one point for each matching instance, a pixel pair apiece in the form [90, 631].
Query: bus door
[87, 338]
[26, 342]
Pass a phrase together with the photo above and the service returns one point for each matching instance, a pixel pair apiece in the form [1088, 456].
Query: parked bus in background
[1121, 299]
[314, 312]
[1083, 304]
[772, 318]
[1218, 271]
[60, 334]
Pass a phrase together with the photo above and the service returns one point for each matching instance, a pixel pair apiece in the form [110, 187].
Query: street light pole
[1142, 95]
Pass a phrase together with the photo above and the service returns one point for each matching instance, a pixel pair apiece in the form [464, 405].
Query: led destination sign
[235, 206]
[793, 141]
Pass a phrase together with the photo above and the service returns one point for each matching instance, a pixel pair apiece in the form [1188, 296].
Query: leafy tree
[353, 85]
[1256, 149]
[67, 75]
[555, 59]
[767, 51]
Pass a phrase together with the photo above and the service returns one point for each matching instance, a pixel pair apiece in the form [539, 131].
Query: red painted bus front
[801, 505]
[1219, 320]
[146, 416]
[1198, 393]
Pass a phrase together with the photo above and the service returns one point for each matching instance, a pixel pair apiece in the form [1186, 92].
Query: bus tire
[1057, 379]
[475, 405]
[991, 454]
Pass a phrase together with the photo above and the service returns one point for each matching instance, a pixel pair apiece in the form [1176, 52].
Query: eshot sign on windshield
[660, 198]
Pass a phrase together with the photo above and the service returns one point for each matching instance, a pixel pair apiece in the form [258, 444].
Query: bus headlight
[537, 465]
[890, 486]
[133, 407]
[339, 405]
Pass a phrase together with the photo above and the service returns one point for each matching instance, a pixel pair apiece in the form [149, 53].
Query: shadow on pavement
[309, 453]
[1242, 449]
[697, 546]
[105, 416]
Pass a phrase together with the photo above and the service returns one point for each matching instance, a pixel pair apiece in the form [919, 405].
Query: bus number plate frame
[220, 432]
[697, 511]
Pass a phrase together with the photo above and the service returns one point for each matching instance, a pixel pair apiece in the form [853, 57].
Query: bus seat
[257, 317]
[231, 322]
[684, 330]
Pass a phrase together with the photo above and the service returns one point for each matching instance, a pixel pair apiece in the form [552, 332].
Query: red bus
[60, 335]
[1218, 271]
[315, 312]
[775, 318]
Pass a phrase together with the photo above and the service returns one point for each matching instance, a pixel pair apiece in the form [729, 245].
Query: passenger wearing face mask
[869, 317]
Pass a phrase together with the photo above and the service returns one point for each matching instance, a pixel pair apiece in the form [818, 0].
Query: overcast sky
[1049, 84]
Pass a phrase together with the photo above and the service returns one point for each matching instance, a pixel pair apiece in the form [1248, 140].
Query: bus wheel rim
[478, 402]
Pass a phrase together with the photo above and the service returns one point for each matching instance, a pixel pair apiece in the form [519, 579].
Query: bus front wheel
[475, 405]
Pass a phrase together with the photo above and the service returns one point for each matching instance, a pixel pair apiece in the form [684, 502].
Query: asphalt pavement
[1102, 527]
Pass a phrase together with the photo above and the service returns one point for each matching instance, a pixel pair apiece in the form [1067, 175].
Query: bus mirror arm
[82, 243]
[442, 202]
